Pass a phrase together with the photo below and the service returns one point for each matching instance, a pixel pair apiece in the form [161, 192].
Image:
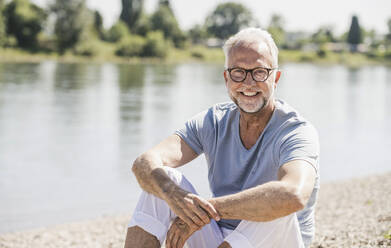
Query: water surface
[69, 132]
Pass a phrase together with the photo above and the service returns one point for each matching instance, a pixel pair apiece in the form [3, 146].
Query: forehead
[250, 55]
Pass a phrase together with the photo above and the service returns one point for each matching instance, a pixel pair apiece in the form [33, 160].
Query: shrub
[156, 45]
[89, 47]
[387, 55]
[321, 53]
[132, 45]
[117, 32]
[24, 20]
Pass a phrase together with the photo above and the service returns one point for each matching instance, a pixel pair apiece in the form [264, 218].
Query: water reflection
[353, 75]
[70, 131]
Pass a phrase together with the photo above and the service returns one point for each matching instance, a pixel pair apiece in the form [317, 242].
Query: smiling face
[251, 96]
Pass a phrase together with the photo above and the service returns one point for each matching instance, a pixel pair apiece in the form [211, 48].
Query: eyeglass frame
[251, 73]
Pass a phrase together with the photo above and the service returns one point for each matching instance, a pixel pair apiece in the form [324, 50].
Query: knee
[138, 237]
[179, 179]
[174, 174]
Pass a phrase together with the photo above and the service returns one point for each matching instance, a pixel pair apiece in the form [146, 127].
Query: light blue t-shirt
[233, 168]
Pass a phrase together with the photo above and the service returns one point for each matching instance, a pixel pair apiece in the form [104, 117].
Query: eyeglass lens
[258, 74]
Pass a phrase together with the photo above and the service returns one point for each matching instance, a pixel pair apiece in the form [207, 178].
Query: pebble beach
[352, 213]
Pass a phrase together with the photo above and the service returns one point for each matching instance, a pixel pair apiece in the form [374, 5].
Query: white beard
[251, 107]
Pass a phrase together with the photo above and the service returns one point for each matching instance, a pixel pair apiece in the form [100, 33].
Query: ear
[278, 75]
[225, 74]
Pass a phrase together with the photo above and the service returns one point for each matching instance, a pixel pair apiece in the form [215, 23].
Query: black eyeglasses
[259, 74]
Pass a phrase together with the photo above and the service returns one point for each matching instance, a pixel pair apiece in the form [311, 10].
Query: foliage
[132, 45]
[98, 24]
[164, 20]
[2, 26]
[197, 34]
[354, 35]
[74, 22]
[156, 45]
[89, 47]
[131, 12]
[227, 19]
[323, 35]
[24, 20]
[372, 39]
[117, 32]
[276, 29]
[388, 36]
[143, 26]
[153, 45]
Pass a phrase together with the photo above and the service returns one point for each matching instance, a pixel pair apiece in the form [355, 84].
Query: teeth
[249, 93]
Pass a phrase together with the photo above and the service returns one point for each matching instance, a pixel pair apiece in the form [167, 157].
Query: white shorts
[154, 216]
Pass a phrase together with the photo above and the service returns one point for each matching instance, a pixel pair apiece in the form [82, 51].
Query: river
[69, 132]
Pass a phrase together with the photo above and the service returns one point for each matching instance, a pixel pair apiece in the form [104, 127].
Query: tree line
[70, 26]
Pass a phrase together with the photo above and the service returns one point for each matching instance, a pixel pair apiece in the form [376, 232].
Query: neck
[257, 120]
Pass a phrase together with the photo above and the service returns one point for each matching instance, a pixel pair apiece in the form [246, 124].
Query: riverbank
[192, 54]
[353, 213]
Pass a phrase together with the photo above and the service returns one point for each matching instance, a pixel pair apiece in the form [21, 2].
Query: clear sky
[305, 15]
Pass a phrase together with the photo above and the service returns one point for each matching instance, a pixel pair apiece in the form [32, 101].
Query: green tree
[156, 45]
[197, 34]
[164, 20]
[131, 12]
[227, 19]
[131, 46]
[2, 25]
[276, 29]
[143, 25]
[98, 24]
[117, 32]
[24, 20]
[388, 36]
[354, 35]
[74, 22]
[323, 35]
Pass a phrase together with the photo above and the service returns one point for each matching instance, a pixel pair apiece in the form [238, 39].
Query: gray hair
[251, 36]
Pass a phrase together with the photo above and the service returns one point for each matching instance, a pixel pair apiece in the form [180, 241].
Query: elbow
[145, 163]
[299, 200]
[138, 164]
[295, 199]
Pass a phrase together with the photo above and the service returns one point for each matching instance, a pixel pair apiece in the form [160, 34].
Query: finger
[192, 218]
[181, 243]
[169, 237]
[189, 222]
[208, 207]
[186, 215]
[175, 239]
[202, 214]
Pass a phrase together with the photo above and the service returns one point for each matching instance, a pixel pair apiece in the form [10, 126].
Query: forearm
[265, 202]
[151, 176]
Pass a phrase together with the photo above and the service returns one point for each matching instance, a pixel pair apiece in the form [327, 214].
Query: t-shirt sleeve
[300, 143]
[196, 131]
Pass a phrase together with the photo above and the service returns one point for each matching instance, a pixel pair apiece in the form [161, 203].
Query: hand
[192, 209]
[178, 233]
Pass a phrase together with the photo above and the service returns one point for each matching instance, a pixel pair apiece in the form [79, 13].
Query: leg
[281, 232]
[137, 237]
[152, 218]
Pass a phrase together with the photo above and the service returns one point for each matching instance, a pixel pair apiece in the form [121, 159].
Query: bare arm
[172, 152]
[271, 200]
[148, 169]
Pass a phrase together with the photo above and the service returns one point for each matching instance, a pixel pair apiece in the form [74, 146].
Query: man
[262, 165]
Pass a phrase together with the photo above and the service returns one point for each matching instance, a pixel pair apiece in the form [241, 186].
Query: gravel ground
[354, 213]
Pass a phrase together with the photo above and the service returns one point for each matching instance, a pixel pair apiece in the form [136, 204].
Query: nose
[249, 79]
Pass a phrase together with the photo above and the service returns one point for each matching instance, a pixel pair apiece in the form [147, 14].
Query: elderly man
[262, 165]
